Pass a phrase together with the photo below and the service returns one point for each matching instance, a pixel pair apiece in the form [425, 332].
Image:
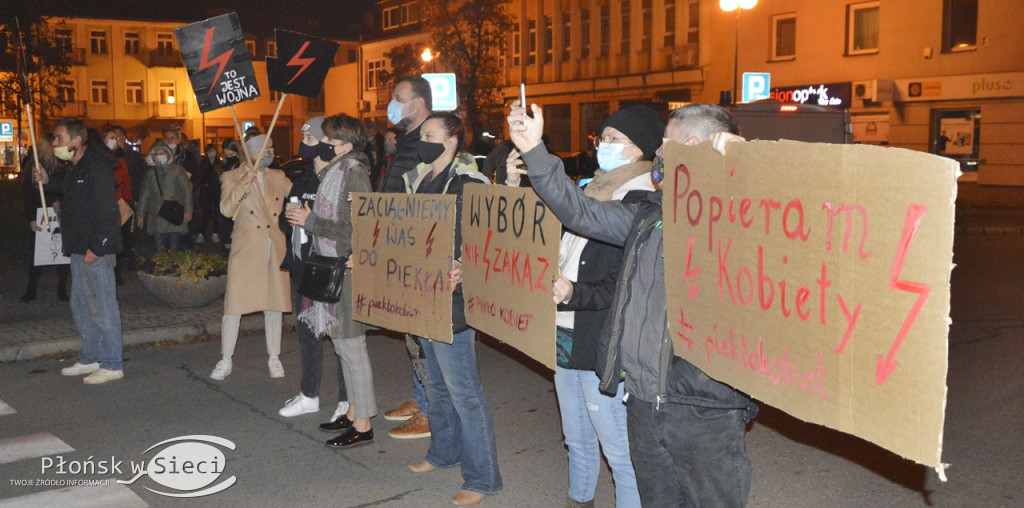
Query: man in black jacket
[686, 430]
[91, 225]
[410, 106]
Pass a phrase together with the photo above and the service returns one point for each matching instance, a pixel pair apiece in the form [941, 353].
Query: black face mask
[231, 161]
[307, 153]
[325, 151]
[429, 152]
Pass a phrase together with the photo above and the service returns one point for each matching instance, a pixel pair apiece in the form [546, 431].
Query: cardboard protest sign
[510, 243]
[301, 65]
[48, 243]
[217, 61]
[403, 247]
[816, 278]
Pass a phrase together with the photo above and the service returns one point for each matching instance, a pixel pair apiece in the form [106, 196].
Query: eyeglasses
[610, 140]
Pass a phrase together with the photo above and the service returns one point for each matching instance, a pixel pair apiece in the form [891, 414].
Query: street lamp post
[428, 57]
[738, 6]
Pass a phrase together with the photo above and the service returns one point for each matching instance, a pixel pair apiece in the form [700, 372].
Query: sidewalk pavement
[44, 326]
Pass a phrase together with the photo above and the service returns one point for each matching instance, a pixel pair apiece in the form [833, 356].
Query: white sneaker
[215, 238]
[300, 404]
[342, 409]
[79, 369]
[276, 369]
[199, 238]
[102, 376]
[222, 369]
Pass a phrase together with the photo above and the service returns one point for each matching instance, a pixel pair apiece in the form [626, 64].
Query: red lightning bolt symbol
[304, 62]
[376, 231]
[204, 60]
[430, 239]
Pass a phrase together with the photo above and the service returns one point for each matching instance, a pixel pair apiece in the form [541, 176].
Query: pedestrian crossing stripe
[6, 409]
[34, 445]
[109, 494]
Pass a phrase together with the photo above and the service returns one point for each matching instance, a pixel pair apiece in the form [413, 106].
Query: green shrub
[186, 265]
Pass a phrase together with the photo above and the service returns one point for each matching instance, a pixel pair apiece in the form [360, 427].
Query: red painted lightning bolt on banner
[221, 60]
[301, 63]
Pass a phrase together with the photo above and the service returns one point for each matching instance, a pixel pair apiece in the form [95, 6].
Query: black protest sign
[301, 65]
[218, 63]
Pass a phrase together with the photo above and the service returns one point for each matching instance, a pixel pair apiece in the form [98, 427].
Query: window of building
[959, 25]
[670, 23]
[531, 57]
[164, 44]
[167, 93]
[648, 21]
[131, 43]
[100, 92]
[784, 36]
[548, 39]
[693, 23]
[624, 15]
[585, 33]
[392, 18]
[250, 45]
[566, 36]
[98, 42]
[275, 96]
[66, 91]
[560, 140]
[133, 92]
[862, 28]
[373, 70]
[272, 49]
[62, 39]
[411, 13]
[605, 30]
[517, 44]
[316, 104]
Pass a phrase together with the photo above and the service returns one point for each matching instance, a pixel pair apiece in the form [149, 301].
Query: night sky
[344, 19]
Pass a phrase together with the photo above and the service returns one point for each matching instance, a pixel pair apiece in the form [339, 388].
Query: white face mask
[609, 156]
[111, 144]
[161, 159]
[395, 112]
[172, 146]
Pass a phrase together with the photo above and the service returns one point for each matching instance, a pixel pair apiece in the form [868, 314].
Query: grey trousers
[355, 364]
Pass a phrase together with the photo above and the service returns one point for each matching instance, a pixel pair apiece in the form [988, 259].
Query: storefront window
[955, 135]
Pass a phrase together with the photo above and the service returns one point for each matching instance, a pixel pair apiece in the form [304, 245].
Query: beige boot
[574, 504]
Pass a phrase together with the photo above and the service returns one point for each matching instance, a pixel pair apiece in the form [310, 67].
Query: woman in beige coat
[255, 282]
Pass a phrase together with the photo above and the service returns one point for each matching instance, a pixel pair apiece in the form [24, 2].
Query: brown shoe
[421, 467]
[406, 410]
[467, 498]
[416, 427]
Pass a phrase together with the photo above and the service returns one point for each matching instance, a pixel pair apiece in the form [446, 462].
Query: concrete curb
[32, 350]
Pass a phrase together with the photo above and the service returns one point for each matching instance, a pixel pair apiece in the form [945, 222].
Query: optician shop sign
[825, 94]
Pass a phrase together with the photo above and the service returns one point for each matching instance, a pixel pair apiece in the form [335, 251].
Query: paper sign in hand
[218, 63]
[301, 65]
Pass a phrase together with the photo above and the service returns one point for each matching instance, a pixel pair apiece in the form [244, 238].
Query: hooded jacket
[89, 216]
[460, 172]
[636, 335]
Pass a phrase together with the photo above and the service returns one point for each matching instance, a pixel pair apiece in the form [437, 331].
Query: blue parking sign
[7, 132]
[756, 86]
[442, 90]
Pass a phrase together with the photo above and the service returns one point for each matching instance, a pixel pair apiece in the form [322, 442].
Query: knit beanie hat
[254, 143]
[314, 127]
[641, 125]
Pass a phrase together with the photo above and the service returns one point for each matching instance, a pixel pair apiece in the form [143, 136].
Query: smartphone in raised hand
[522, 95]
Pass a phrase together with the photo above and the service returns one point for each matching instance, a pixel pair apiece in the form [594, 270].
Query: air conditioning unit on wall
[685, 56]
[873, 90]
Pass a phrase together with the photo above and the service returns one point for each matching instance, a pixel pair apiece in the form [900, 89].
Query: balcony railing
[177, 110]
[77, 109]
[156, 59]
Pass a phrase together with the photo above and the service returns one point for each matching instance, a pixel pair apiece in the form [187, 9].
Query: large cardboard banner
[49, 247]
[217, 61]
[816, 278]
[403, 247]
[301, 65]
[510, 243]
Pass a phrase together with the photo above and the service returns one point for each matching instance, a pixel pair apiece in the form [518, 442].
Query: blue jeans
[166, 241]
[689, 456]
[461, 427]
[590, 417]
[94, 308]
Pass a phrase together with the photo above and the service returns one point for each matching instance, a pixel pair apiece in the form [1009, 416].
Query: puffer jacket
[636, 336]
[461, 171]
[89, 217]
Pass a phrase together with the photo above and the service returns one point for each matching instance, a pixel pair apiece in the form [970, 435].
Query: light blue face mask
[609, 156]
[395, 112]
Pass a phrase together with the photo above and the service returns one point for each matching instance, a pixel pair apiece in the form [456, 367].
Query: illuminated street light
[738, 6]
[428, 57]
